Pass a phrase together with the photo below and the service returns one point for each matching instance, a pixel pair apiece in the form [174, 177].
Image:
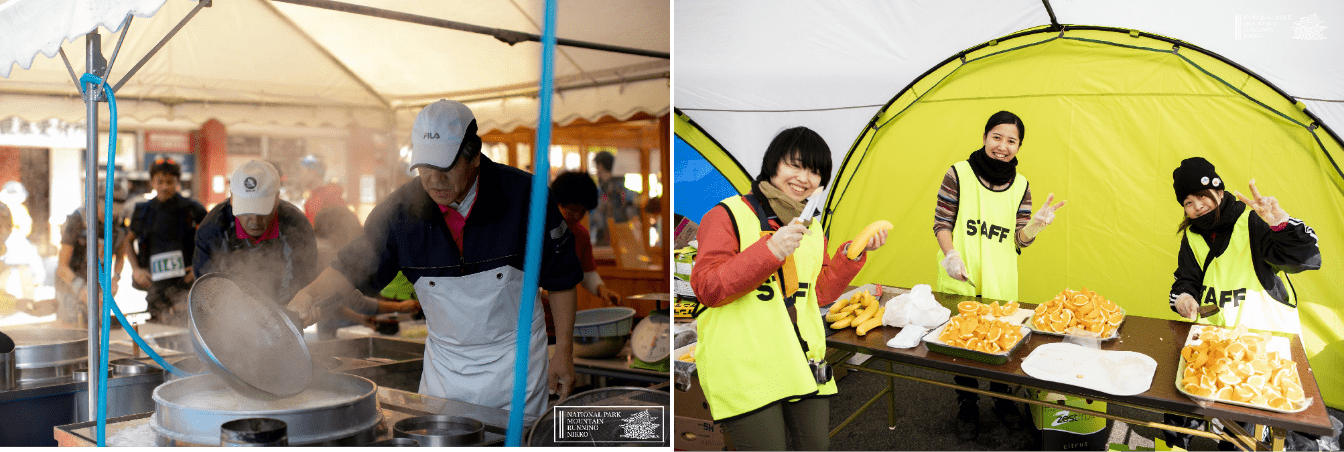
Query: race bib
[166, 265]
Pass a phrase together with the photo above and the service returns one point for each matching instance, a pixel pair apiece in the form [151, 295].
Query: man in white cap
[258, 237]
[458, 232]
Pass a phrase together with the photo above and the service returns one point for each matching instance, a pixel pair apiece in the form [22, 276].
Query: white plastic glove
[1265, 206]
[954, 266]
[786, 240]
[1187, 307]
[1042, 218]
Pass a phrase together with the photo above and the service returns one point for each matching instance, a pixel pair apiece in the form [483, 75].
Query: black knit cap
[1195, 174]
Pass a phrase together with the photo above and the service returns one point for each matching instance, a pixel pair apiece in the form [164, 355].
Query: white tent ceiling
[748, 69]
[258, 62]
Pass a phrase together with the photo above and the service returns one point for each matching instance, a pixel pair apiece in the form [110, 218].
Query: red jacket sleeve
[836, 274]
[722, 273]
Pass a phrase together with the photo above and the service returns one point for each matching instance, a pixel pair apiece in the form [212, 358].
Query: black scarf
[1228, 212]
[992, 170]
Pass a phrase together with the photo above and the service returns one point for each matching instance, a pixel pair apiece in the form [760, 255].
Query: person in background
[576, 194]
[1234, 245]
[986, 193]
[615, 202]
[458, 232]
[162, 237]
[337, 226]
[258, 237]
[72, 271]
[323, 194]
[758, 345]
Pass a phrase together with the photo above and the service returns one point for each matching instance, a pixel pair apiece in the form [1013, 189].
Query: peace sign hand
[1042, 218]
[1265, 206]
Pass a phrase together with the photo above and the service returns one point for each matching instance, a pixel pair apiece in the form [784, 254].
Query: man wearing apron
[256, 235]
[458, 232]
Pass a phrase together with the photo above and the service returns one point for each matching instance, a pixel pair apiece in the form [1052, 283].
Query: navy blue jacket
[406, 232]
[280, 267]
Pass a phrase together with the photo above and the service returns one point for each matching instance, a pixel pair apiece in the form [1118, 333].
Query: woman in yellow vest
[1231, 258]
[981, 201]
[761, 351]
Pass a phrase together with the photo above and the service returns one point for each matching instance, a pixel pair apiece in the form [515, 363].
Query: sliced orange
[1242, 393]
[966, 307]
[1010, 308]
[1225, 393]
[983, 309]
[1236, 350]
[1257, 381]
[1292, 391]
[973, 343]
[991, 347]
[1229, 378]
[1280, 403]
[995, 332]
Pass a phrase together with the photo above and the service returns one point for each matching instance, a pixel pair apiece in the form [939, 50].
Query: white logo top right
[1309, 28]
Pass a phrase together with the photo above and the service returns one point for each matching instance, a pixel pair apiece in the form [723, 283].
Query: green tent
[1109, 113]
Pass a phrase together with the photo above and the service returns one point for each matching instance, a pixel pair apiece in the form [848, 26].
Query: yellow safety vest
[748, 354]
[1230, 282]
[983, 233]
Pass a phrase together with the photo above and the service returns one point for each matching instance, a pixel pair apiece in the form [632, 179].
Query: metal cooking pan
[252, 344]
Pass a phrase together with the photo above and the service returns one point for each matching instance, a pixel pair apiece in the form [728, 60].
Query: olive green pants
[805, 421]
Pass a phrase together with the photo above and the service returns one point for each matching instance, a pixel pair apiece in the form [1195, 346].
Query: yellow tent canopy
[1110, 113]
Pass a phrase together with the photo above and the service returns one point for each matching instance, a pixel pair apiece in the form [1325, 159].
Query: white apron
[469, 351]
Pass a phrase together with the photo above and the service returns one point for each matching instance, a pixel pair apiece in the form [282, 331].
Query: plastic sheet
[917, 307]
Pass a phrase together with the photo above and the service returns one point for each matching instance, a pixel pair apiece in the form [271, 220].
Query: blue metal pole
[536, 221]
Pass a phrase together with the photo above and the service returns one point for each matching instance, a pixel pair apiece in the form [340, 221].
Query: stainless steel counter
[394, 404]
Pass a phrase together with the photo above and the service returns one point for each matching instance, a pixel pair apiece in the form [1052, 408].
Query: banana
[840, 304]
[867, 314]
[861, 241]
[874, 322]
[843, 323]
[836, 316]
[852, 307]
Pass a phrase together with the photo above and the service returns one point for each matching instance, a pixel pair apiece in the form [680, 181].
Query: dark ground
[926, 418]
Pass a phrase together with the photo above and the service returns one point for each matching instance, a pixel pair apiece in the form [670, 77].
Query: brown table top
[1159, 339]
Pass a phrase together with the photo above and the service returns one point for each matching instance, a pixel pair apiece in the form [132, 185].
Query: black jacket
[1291, 250]
[280, 266]
[406, 232]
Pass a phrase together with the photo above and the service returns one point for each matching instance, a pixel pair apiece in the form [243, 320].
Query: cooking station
[51, 390]
[393, 405]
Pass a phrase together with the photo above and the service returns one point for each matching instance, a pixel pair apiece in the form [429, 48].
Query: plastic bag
[917, 307]
[909, 337]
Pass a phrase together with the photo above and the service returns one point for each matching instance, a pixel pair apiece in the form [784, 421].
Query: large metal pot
[43, 353]
[334, 407]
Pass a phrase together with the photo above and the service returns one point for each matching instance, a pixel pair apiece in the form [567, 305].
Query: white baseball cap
[255, 187]
[443, 130]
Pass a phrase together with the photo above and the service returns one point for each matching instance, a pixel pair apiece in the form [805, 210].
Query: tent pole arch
[693, 134]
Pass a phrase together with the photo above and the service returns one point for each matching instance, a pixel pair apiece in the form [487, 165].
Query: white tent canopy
[264, 63]
[746, 70]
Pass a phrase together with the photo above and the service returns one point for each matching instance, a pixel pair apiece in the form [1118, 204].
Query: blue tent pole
[536, 220]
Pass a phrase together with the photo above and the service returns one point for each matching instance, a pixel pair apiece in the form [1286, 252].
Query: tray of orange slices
[1240, 367]
[988, 333]
[1084, 313]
